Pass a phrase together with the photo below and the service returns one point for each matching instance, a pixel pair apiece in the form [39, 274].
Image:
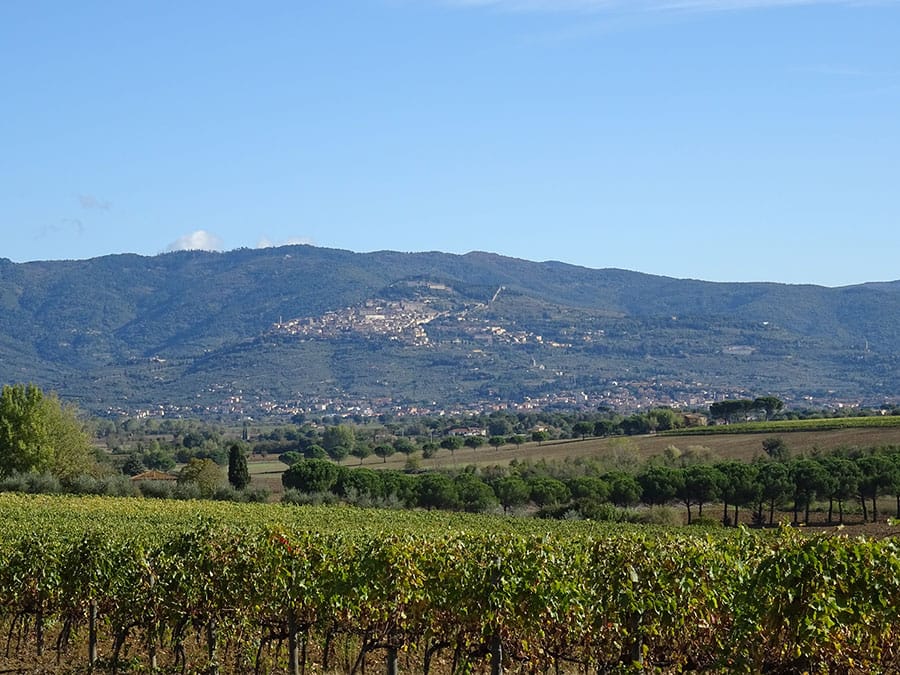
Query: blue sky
[728, 140]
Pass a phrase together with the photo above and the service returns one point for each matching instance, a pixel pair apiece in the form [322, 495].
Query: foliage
[133, 465]
[776, 448]
[547, 491]
[701, 484]
[512, 491]
[474, 442]
[624, 490]
[540, 436]
[238, 471]
[338, 441]
[660, 484]
[384, 450]
[475, 496]
[451, 443]
[208, 586]
[290, 458]
[311, 475]
[39, 433]
[405, 446]
[203, 474]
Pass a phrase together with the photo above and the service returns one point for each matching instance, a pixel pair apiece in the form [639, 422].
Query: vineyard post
[635, 628]
[496, 642]
[392, 664]
[293, 646]
[211, 646]
[92, 634]
[39, 629]
[496, 654]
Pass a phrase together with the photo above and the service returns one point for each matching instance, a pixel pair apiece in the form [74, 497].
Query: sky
[725, 140]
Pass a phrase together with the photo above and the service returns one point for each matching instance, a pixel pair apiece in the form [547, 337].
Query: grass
[267, 465]
[790, 426]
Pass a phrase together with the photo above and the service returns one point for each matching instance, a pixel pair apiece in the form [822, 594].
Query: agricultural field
[785, 426]
[135, 585]
[742, 446]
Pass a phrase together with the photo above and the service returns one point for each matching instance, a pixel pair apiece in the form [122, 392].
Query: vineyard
[185, 587]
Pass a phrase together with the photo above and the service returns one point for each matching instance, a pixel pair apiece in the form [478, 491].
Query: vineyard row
[123, 584]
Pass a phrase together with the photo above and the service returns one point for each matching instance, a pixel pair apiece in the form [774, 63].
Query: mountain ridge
[129, 332]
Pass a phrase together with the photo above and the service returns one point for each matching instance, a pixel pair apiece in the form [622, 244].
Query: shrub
[13, 483]
[156, 489]
[117, 486]
[705, 521]
[82, 485]
[42, 483]
[187, 491]
[259, 495]
[298, 498]
[226, 493]
[661, 515]
[607, 513]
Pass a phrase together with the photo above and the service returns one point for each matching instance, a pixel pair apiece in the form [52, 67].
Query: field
[126, 585]
[628, 452]
[617, 451]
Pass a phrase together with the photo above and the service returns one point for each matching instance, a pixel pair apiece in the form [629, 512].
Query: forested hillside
[300, 327]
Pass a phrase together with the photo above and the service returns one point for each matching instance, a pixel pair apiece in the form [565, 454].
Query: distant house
[467, 431]
[695, 420]
[153, 476]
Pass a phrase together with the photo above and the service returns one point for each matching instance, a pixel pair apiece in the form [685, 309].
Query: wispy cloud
[92, 203]
[201, 240]
[598, 6]
[265, 242]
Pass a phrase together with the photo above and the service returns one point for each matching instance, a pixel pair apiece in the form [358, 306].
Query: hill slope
[337, 330]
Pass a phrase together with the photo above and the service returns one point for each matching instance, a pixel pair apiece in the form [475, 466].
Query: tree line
[772, 483]
[137, 445]
[46, 441]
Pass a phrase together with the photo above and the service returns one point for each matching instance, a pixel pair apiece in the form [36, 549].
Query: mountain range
[304, 329]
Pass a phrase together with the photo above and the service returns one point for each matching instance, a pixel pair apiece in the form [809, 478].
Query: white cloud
[265, 242]
[201, 240]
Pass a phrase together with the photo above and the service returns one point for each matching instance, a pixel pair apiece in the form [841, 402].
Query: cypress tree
[238, 472]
